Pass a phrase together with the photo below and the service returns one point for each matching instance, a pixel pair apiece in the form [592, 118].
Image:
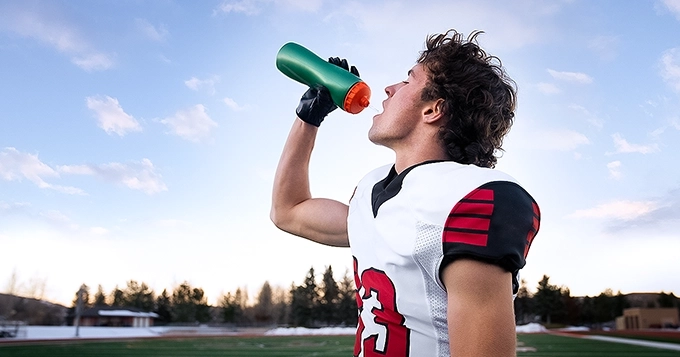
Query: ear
[433, 111]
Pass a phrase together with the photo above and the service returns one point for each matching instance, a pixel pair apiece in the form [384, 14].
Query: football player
[439, 236]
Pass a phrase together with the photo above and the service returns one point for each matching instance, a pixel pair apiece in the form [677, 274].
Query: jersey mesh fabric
[428, 255]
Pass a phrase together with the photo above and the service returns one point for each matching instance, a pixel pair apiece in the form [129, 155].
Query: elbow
[277, 217]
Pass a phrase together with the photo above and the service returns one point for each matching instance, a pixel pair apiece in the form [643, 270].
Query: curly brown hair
[479, 97]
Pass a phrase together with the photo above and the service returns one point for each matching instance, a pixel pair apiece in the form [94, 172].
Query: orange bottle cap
[357, 98]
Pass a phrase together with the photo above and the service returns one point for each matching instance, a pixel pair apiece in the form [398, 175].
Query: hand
[317, 103]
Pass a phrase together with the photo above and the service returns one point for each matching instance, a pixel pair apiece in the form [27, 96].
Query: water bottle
[348, 91]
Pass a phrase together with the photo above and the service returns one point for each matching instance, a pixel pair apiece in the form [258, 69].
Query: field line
[662, 345]
[629, 341]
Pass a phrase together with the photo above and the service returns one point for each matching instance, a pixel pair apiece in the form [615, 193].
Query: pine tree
[230, 308]
[548, 300]
[304, 301]
[201, 306]
[523, 304]
[100, 297]
[605, 308]
[86, 303]
[183, 310]
[139, 296]
[117, 297]
[328, 301]
[347, 312]
[264, 307]
[164, 308]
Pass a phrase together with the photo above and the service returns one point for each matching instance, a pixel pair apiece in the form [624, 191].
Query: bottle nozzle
[363, 101]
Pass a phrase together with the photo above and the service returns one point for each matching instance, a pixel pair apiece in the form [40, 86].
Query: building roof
[110, 311]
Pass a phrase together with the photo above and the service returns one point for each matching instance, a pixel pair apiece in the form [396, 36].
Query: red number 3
[389, 337]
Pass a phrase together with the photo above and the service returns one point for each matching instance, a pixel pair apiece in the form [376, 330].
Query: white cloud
[93, 62]
[673, 123]
[111, 116]
[605, 47]
[507, 25]
[548, 88]
[140, 176]
[192, 124]
[590, 117]
[624, 147]
[248, 7]
[232, 104]
[623, 210]
[13, 207]
[673, 6]
[615, 170]
[16, 166]
[196, 84]
[254, 7]
[559, 140]
[59, 219]
[63, 37]
[571, 76]
[154, 33]
[303, 5]
[670, 68]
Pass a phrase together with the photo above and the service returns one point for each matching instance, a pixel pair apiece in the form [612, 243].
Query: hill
[31, 311]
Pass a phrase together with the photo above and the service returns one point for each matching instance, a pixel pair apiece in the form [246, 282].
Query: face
[402, 110]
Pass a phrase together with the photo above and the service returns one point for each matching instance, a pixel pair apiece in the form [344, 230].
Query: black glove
[317, 103]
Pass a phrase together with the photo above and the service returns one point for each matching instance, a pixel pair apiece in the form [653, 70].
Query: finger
[355, 71]
[334, 60]
[344, 64]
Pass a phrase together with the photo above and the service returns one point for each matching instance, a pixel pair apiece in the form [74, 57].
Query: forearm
[291, 182]
[293, 208]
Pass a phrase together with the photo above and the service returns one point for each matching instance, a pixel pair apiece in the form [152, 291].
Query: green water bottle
[348, 91]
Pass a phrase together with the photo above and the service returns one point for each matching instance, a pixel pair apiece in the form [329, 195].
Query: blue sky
[139, 140]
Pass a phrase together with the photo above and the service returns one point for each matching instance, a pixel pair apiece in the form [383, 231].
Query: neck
[414, 156]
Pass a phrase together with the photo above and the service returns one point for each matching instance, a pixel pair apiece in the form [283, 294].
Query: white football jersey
[403, 229]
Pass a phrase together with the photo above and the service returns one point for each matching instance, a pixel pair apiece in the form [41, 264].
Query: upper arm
[485, 242]
[480, 311]
[318, 219]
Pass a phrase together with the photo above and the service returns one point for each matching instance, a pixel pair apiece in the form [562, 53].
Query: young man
[439, 237]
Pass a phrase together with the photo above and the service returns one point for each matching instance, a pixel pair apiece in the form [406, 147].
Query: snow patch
[64, 332]
[574, 328]
[290, 331]
[531, 328]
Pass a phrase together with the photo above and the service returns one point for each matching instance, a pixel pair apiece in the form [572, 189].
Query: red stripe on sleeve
[478, 239]
[478, 224]
[473, 208]
[480, 194]
[472, 213]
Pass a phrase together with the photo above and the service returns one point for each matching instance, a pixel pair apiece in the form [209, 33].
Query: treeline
[313, 303]
[554, 305]
[321, 302]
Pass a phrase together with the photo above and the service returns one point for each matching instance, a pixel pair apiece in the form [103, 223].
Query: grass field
[264, 346]
[300, 346]
[559, 346]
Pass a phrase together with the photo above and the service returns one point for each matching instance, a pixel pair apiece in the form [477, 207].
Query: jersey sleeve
[495, 223]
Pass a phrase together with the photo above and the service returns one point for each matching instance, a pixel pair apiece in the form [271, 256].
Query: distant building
[117, 317]
[645, 318]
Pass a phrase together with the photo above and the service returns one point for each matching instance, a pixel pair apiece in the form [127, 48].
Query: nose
[390, 90]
